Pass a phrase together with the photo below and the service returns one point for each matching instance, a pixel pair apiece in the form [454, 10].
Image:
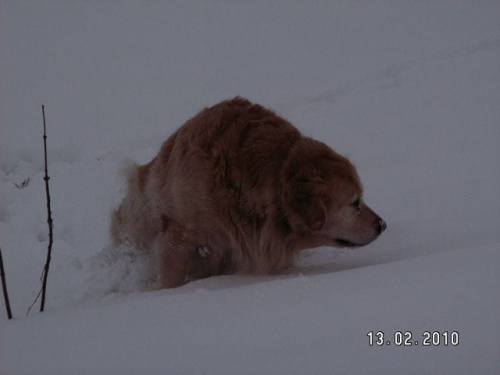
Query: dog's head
[324, 199]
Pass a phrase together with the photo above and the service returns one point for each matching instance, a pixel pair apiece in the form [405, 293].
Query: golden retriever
[238, 189]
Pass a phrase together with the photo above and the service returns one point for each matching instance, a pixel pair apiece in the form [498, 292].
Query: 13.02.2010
[407, 338]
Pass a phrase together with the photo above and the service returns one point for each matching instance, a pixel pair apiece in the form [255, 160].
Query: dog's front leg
[172, 253]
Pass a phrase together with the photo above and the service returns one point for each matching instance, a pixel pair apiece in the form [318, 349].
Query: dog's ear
[308, 203]
[315, 216]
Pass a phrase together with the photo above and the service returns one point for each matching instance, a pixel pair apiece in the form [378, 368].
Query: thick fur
[238, 189]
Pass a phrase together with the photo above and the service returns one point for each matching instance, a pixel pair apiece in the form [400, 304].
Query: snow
[408, 90]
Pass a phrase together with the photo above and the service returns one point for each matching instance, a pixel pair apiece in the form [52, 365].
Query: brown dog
[238, 189]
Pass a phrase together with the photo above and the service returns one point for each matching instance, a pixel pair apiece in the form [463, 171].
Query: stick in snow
[45, 272]
[49, 216]
[4, 287]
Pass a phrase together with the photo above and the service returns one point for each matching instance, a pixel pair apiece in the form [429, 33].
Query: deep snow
[408, 90]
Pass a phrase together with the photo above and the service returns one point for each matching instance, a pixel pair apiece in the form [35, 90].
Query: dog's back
[221, 178]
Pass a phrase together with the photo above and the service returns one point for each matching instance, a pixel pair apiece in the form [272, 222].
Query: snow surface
[410, 91]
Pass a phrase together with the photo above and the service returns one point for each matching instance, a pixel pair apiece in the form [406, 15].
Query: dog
[238, 189]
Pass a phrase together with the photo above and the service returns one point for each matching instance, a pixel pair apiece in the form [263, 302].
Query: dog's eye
[356, 203]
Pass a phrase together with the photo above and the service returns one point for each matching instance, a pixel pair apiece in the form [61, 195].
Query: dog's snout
[381, 225]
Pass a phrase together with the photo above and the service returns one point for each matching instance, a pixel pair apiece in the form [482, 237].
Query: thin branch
[4, 287]
[49, 217]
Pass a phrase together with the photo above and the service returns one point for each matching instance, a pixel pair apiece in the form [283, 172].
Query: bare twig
[49, 217]
[4, 287]
[35, 301]
[45, 272]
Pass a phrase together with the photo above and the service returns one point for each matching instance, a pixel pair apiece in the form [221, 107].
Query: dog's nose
[381, 225]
